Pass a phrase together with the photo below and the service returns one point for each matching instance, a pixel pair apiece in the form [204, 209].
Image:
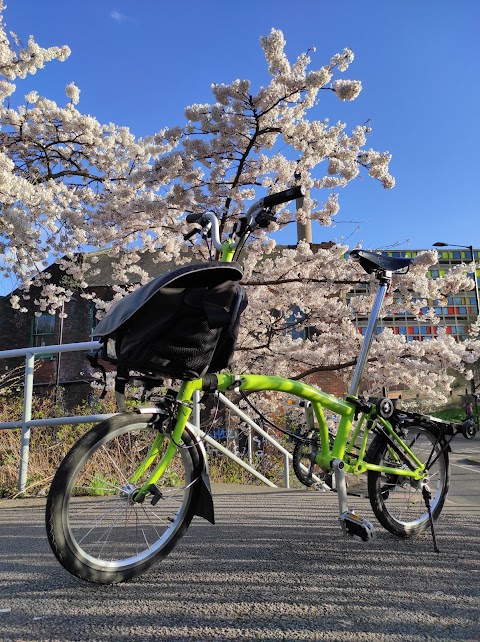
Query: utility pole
[304, 230]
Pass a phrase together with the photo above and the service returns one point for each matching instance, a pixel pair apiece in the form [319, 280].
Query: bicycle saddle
[373, 261]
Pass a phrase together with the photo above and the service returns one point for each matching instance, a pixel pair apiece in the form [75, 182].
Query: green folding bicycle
[127, 491]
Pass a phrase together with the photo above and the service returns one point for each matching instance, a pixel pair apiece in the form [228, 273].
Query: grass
[451, 414]
[48, 445]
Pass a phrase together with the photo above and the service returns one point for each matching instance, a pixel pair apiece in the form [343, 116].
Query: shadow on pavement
[274, 567]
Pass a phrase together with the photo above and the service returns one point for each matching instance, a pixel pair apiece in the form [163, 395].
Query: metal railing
[26, 423]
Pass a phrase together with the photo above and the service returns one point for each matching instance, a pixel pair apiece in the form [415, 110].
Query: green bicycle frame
[340, 449]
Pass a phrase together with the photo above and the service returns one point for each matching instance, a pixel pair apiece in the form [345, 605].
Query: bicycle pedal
[355, 526]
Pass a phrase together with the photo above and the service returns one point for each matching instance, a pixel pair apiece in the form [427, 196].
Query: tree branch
[330, 368]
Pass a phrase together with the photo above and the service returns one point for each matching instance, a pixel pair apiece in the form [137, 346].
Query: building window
[93, 321]
[43, 332]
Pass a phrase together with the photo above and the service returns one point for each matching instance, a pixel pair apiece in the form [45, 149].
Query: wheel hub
[128, 492]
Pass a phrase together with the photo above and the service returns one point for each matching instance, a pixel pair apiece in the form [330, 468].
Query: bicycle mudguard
[204, 506]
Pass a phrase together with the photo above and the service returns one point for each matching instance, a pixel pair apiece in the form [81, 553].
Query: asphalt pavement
[274, 567]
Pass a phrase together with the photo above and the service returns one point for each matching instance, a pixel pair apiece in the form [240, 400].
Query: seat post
[385, 279]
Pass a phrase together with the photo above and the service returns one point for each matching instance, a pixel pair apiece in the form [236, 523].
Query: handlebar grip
[193, 218]
[284, 197]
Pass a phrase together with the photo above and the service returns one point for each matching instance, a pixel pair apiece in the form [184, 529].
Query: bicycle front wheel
[95, 528]
[398, 501]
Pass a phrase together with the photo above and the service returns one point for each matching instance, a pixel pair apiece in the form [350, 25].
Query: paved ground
[274, 567]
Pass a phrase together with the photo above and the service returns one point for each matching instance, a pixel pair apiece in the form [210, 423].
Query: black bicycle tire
[57, 520]
[469, 429]
[391, 523]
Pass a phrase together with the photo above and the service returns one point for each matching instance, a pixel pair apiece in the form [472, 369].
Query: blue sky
[140, 63]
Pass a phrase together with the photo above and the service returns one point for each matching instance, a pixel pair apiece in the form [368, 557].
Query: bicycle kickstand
[351, 523]
[427, 495]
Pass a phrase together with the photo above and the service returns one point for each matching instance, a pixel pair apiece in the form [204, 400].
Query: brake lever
[188, 235]
[264, 218]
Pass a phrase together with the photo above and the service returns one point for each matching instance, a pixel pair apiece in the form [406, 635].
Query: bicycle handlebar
[264, 203]
[283, 197]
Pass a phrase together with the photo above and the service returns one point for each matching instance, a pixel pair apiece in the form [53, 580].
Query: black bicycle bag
[181, 325]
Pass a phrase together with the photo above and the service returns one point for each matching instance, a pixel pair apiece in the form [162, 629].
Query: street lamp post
[477, 301]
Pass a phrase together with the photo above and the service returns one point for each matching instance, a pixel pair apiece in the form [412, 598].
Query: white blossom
[73, 92]
[318, 78]
[343, 60]
[32, 97]
[347, 89]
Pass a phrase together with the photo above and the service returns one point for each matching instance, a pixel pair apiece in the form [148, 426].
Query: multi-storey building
[456, 316]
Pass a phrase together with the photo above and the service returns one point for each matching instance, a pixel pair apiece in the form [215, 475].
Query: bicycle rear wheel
[397, 501]
[95, 528]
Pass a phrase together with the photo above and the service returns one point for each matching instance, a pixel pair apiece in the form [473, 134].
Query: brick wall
[330, 382]
[70, 369]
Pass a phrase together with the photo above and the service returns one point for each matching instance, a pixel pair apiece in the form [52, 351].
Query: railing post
[249, 445]
[286, 472]
[26, 417]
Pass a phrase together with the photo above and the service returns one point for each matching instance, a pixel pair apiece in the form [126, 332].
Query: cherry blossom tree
[69, 183]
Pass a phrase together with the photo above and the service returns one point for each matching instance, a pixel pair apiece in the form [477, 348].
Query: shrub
[48, 445]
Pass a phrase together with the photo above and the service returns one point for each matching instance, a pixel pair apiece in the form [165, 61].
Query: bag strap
[121, 379]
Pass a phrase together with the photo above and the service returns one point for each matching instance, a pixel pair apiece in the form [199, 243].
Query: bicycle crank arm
[352, 524]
